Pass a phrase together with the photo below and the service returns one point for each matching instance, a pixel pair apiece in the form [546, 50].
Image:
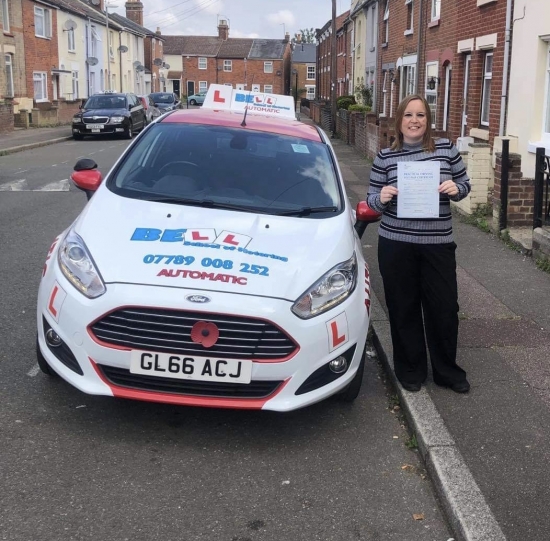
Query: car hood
[160, 244]
[104, 112]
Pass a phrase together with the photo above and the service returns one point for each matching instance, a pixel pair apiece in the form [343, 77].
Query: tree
[307, 35]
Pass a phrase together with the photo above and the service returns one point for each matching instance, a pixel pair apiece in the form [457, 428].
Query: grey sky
[260, 18]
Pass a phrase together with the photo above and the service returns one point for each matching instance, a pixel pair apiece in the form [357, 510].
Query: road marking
[15, 186]
[59, 186]
[33, 371]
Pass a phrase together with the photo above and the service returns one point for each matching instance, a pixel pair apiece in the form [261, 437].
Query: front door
[176, 87]
[467, 60]
[190, 88]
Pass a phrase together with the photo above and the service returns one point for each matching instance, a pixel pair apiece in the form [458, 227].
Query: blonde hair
[427, 141]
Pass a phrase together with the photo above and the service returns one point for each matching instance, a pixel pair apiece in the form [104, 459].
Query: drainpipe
[419, 46]
[507, 39]
[87, 27]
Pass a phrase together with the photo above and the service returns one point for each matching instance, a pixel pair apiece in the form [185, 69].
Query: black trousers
[422, 299]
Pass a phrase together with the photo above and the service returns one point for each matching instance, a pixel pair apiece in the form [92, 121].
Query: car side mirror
[86, 177]
[364, 216]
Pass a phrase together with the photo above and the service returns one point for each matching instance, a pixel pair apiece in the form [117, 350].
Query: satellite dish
[92, 60]
[123, 49]
[140, 68]
[95, 2]
[137, 63]
[167, 66]
[69, 24]
[157, 61]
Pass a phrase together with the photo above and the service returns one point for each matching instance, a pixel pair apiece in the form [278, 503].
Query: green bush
[360, 108]
[344, 102]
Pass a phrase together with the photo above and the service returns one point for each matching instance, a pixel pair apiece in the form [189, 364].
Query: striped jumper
[417, 230]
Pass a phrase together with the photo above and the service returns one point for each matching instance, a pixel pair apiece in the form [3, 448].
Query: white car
[217, 264]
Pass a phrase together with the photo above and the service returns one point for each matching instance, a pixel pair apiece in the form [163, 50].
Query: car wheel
[351, 391]
[129, 133]
[42, 363]
[193, 102]
[77, 137]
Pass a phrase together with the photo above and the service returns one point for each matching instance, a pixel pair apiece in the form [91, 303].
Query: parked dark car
[151, 110]
[166, 101]
[109, 113]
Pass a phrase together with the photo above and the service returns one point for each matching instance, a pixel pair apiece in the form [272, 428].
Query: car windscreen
[230, 168]
[105, 102]
[163, 98]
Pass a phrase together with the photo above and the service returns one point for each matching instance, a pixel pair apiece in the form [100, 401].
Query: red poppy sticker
[205, 333]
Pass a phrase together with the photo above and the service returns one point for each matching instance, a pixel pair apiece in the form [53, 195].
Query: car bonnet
[159, 244]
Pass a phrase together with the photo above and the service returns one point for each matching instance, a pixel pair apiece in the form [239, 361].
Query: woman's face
[413, 125]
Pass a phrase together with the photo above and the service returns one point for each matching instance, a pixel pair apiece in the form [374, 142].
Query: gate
[541, 210]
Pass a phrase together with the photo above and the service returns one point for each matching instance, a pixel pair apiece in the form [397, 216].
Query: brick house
[303, 70]
[196, 62]
[344, 84]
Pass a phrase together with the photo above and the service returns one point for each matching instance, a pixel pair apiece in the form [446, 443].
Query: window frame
[309, 68]
[432, 93]
[268, 89]
[268, 66]
[410, 17]
[43, 14]
[71, 41]
[373, 29]
[40, 77]
[8, 61]
[228, 65]
[436, 10]
[486, 84]
[203, 86]
[6, 16]
[74, 85]
[384, 94]
[310, 92]
[387, 23]
[202, 62]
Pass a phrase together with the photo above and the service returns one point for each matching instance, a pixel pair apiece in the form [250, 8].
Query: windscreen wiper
[207, 203]
[306, 211]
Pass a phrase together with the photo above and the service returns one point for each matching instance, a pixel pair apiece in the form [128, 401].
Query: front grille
[169, 331]
[124, 378]
[98, 120]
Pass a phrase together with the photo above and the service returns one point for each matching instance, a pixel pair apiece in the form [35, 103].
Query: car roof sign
[223, 97]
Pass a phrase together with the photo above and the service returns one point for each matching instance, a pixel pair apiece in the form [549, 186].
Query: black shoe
[411, 387]
[461, 386]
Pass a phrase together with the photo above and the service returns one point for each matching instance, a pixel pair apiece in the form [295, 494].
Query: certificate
[417, 183]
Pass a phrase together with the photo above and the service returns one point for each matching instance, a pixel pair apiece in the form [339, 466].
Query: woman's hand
[386, 194]
[448, 187]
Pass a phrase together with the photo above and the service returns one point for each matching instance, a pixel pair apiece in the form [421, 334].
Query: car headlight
[117, 119]
[76, 119]
[78, 267]
[329, 291]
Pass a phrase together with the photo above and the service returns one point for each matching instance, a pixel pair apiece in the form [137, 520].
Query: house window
[310, 92]
[92, 83]
[410, 14]
[372, 29]
[436, 9]
[268, 89]
[40, 81]
[431, 93]
[268, 67]
[387, 22]
[93, 42]
[311, 73]
[5, 16]
[8, 60]
[70, 40]
[75, 85]
[486, 90]
[203, 63]
[408, 86]
[385, 94]
[228, 65]
[203, 86]
[42, 22]
[111, 50]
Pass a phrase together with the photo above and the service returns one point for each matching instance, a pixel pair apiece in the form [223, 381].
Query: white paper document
[417, 183]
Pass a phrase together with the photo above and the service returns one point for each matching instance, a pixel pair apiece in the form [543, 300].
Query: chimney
[134, 11]
[298, 38]
[158, 32]
[287, 37]
[223, 30]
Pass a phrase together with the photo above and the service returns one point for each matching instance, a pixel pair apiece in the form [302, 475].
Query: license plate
[169, 365]
[95, 126]
[96, 131]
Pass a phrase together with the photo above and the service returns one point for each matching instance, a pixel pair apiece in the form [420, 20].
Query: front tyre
[129, 133]
[42, 363]
[193, 102]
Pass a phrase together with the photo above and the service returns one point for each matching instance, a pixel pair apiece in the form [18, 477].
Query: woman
[417, 255]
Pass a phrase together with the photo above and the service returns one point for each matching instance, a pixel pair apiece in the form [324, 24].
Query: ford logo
[199, 299]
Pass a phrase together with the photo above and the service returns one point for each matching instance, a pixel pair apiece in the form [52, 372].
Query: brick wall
[521, 193]
[6, 117]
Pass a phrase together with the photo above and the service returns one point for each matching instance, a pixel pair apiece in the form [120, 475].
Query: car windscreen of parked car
[160, 97]
[105, 102]
[222, 167]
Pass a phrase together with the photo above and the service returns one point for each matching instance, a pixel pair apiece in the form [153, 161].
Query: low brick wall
[6, 117]
[55, 113]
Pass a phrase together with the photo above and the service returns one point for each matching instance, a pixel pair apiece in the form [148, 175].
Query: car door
[137, 111]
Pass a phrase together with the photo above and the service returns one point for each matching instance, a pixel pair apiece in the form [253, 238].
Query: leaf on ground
[408, 467]
[418, 516]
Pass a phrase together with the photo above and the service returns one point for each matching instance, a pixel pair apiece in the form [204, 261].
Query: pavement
[487, 452]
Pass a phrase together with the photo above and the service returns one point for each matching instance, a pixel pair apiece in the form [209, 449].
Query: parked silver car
[151, 110]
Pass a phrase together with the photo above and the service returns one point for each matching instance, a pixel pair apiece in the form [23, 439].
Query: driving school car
[218, 264]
